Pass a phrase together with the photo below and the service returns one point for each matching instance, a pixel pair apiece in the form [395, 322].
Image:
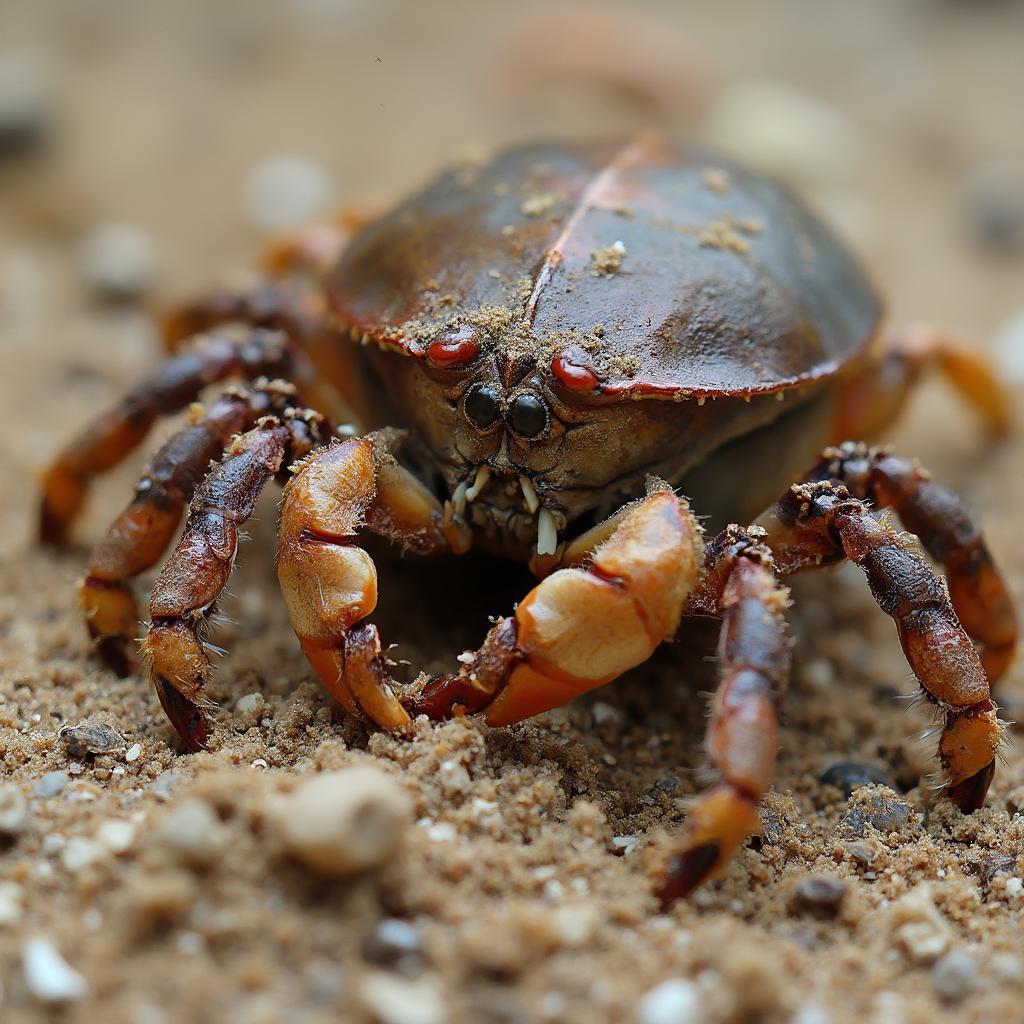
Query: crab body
[585, 316]
[540, 353]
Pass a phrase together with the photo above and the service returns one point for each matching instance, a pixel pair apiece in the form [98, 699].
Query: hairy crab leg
[820, 523]
[118, 431]
[754, 663]
[948, 531]
[577, 629]
[140, 534]
[194, 576]
[874, 398]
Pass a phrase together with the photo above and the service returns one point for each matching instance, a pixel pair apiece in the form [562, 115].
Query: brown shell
[665, 269]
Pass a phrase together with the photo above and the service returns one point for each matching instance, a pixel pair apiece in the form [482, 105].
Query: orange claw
[582, 627]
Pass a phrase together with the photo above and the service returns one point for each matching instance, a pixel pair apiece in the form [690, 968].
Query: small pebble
[1008, 348]
[116, 836]
[47, 974]
[90, 738]
[249, 703]
[819, 894]
[785, 131]
[919, 928]
[344, 822]
[133, 753]
[25, 101]
[10, 903]
[995, 207]
[51, 784]
[193, 831]
[80, 853]
[671, 1002]
[394, 1000]
[13, 810]
[848, 775]
[118, 262]
[954, 975]
[286, 192]
[396, 944]
[163, 786]
[877, 807]
[1014, 887]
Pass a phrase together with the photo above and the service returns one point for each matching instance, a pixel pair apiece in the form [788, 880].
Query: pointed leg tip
[114, 653]
[186, 717]
[685, 872]
[969, 795]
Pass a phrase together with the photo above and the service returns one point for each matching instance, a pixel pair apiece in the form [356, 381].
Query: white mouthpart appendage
[547, 534]
[459, 498]
[529, 494]
[483, 474]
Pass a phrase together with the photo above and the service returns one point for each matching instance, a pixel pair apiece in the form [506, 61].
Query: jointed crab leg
[179, 381]
[141, 532]
[194, 576]
[821, 522]
[949, 533]
[577, 629]
[754, 661]
[874, 398]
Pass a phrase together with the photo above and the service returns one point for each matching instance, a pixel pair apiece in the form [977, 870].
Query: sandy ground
[524, 881]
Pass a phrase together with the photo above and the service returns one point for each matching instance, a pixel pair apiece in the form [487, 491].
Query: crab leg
[819, 523]
[754, 661]
[948, 531]
[874, 399]
[577, 629]
[197, 571]
[117, 432]
[142, 531]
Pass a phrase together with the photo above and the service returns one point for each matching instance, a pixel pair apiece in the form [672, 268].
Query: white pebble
[80, 853]
[955, 975]
[47, 974]
[442, 832]
[13, 810]
[1008, 347]
[10, 903]
[193, 831]
[117, 836]
[133, 753]
[454, 777]
[344, 822]
[118, 261]
[394, 1000]
[250, 702]
[1014, 887]
[286, 191]
[782, 130]
[671, 1002]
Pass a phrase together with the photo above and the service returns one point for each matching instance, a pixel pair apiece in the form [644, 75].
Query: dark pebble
[819, 894]
[846, 776]
[995, 206]
[90, 738]
[878, 807]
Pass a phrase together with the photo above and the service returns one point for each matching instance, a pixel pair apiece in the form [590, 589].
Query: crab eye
[482, 405]
[528, 415]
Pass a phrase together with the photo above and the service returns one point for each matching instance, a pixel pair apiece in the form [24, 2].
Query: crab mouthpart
[483, 474]
[547, 533]
[530, 498]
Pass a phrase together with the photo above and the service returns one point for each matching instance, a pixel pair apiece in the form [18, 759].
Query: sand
[521, 888]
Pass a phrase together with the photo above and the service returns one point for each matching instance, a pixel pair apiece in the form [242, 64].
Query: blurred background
[146, 147]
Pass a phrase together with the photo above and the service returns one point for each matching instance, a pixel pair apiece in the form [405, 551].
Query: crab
[561, 356]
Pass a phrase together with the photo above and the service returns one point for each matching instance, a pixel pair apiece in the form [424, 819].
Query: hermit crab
[562, 355]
